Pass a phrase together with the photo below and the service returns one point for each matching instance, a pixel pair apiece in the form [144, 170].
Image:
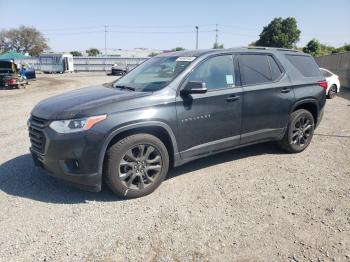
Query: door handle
[285, 90]
[232, 98]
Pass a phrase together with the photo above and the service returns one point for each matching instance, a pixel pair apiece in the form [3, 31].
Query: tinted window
[306, 65]
[216, 72]
[255, 69]
[275, 70]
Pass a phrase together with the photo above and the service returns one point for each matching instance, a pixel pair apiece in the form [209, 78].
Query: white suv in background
[332, 81]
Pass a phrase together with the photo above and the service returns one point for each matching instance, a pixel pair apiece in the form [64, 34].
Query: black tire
[142, 181]
[332, 92]
[299, 131]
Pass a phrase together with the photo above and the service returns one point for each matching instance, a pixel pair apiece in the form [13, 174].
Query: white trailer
[56, 63]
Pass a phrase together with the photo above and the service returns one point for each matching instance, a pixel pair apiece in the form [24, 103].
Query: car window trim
[234, 58]
[266, 54]
[281, 72]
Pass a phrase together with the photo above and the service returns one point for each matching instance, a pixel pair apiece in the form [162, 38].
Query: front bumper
[73, 158]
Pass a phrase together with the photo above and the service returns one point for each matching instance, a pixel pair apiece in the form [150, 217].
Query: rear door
[267, 97]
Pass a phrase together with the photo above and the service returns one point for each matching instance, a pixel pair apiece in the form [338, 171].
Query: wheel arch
[310, 105]
[158, 129]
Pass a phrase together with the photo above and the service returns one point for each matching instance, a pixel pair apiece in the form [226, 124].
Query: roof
[200, 52]
[12, 55]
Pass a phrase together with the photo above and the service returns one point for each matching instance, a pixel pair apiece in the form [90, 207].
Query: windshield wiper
[125, 87]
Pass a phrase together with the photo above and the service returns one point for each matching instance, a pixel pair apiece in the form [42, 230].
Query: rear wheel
[136, 165]
[332, 92]
[299, 131]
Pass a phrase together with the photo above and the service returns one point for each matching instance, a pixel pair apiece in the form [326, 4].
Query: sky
[161, 24]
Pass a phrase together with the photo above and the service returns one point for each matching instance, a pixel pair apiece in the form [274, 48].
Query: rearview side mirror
[194, 87]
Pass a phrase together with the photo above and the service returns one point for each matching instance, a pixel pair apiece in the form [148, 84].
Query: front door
[212, 121]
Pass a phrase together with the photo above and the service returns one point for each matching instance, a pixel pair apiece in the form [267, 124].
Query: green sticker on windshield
[229, 79]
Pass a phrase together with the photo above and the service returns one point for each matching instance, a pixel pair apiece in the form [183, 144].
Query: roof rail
[272, 48]
[257, 47]
[286, 49]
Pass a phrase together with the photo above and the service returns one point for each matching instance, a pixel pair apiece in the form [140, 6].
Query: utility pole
[196, 37]
[106, 26]
[216, 34]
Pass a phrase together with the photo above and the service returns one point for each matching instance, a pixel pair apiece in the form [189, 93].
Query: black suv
[174, 108]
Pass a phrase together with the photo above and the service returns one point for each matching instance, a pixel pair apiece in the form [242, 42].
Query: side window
[275, 69]
[216, 73]
[255, 69]
[306, 65]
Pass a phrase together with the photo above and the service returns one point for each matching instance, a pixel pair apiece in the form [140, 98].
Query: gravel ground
[255, 203]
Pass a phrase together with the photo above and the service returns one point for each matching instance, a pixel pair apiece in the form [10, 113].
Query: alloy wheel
[301, 131]
[140, 166]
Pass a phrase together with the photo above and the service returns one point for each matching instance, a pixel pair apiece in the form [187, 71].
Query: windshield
[154, 74]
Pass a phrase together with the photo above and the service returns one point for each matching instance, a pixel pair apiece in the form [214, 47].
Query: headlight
[76, 125]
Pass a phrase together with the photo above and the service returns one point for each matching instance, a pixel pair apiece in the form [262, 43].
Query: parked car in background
[11, 74]
[332, 81]
[119, 70]
[175, 108]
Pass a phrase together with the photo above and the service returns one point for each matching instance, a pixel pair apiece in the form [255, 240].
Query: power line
[71, 28]
[122, 26]
[74, 33]
[129, 32]
[238, 26]
[160, 32]
[238, 34]
[161, 26]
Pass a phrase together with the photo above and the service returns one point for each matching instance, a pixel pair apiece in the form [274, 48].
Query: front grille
[36, 135]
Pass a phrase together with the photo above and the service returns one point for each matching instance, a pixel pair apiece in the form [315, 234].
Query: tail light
[323, 84]
[11, 81]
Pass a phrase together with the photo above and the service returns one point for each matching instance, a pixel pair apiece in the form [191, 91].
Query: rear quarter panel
[306, 89]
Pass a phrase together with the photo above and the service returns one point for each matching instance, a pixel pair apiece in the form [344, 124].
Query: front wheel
[299, 131]
[136, 165]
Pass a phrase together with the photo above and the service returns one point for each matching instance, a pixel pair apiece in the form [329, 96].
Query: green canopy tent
[12, 55]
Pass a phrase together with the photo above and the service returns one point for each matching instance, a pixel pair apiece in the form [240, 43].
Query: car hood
[83, 102]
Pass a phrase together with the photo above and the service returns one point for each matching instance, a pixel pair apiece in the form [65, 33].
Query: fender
[133, 126]
[304, 101]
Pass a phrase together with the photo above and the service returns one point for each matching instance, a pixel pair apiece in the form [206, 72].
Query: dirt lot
[250, 204]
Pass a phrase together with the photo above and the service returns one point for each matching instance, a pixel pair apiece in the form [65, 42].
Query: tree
[23, 40]
[178, 49]
[218, 46]
[93, 52]
[344, 48]
[326, 49]
[313, 47]
[76, 53]
[282, 33]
